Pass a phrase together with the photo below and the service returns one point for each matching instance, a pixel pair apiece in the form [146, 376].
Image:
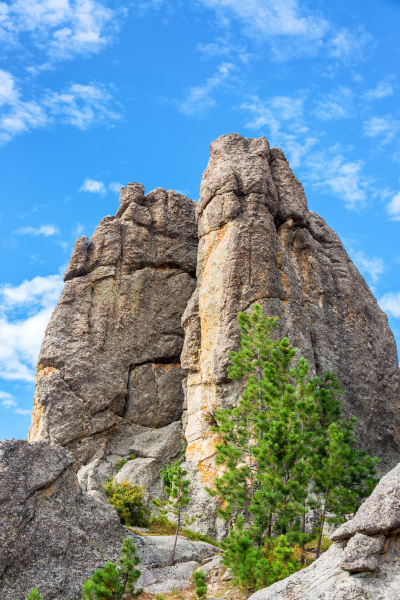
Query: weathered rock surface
[52, 534]
[380, 513]
[364, 567]
[109, 366]
[260, 243]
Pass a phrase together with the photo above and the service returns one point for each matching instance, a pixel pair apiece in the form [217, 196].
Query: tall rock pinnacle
[113, 360]
[260, 243]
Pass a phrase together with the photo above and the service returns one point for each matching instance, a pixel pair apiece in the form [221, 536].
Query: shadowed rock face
[260, 243]
[109, 365]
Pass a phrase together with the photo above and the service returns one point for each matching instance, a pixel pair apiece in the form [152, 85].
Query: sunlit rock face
[260, 243]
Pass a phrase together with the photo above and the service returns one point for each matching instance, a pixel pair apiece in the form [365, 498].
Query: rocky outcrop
[260, 243]
[109, 366]
[364, 561]
[135, 343]
[53, 535]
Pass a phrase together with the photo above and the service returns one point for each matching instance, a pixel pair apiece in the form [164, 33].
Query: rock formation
[53, 535]
[109, 366]
[364, 561]
[260, 243]
[113, 360]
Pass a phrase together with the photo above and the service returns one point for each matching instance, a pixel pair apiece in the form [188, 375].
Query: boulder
[53, 535]
[362, 553]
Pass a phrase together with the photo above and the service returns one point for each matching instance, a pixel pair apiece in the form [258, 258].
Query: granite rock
[109, 362]
[53, 535]
[362, 553]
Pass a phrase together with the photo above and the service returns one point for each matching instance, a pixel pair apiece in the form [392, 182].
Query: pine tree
[34, 595]
[199, 578]
[177, 490]
[114, 580]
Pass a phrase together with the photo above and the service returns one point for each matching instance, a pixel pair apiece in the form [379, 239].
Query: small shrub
[160, 525]
[120, 463]
[128, 501]
[199, 537]
[34, 595]
[199, 578]
[160, 597]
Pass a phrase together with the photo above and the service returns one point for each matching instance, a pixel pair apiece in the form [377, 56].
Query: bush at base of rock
[257, 567]
[34, 595]
[128, 501]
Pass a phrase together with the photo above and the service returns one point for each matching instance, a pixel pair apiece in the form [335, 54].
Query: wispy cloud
[374, 267]
[199, 99]
[336, 105]
[45, 230]
[82, 106]
[25, 311]
[351, 46]
[93, 186]
[115, 186]
[8, 401]
[330, 171]
[393, 207]
[383, 89]
[390, 303]
[385, 128]
[59, 30]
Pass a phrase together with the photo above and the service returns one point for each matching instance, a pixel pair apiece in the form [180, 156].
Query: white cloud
[82, 106]
[332, 172]
[393, 207]
[46, 230]
[337, 105]
[383, 89]
[351, 46]
[199, 99]
[93, 186]
[374, 267]
[25, 311]
[7, 400]
[385, 128]
[60, 29]
[390, 303]
[115, 186]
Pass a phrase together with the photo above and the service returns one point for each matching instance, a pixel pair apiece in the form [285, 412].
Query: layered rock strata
[364, 561]
[260, 243]
[109, 366]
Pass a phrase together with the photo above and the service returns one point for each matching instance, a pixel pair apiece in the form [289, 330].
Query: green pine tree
[34, 595]
[177, 490]
[114, 580]
[200, 583]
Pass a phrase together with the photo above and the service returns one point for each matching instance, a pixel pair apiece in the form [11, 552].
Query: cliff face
[109, 368]
[109, 363]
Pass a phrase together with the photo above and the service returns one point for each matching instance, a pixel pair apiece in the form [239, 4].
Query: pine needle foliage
[200, 583]
[114, 580]
[34, 595]
[176, 486]
[286, 450]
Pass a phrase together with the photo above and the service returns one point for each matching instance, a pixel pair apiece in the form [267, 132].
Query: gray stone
[143, 472]
[259, 243]
[380, 513]
[89, 480]
[110, 356]
[362, 553]
[155, 551]
[163, 444]
[158, 581]
[53, 535]
[211, 565]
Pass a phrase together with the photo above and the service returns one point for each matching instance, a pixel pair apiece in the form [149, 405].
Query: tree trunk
[260, 392]
[322, 525]
[248, 446]
[176, 536]
[303, 530]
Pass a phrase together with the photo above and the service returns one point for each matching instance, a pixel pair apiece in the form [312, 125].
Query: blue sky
[95, 94]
